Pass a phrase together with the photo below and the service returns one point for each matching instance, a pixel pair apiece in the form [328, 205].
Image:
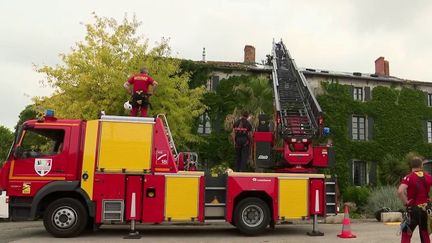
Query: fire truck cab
[77, 174]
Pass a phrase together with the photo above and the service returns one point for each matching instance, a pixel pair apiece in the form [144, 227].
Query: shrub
[385, 196]
[393, 169]
[357, 195]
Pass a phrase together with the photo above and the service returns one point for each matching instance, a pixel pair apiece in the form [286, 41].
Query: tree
[231, 97]
[28, 113]
[6, 139]
[91, 77]
[254, 95]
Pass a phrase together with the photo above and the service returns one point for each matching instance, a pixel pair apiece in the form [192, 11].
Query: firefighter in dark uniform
[413, 192]
[140, 92]
[242, 137]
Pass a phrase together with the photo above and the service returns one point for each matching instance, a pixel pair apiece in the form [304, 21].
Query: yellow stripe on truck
[89, 157]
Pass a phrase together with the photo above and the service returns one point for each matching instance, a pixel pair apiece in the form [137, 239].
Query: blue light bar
[326, 131]
[49, 113]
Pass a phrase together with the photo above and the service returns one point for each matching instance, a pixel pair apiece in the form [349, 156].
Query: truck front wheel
[65, 217]
[252, 216]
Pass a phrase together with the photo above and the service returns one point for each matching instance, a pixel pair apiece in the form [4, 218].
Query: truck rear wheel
[65, 217]
[251, 216]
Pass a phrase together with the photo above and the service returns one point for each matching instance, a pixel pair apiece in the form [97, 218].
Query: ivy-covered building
[373, 117]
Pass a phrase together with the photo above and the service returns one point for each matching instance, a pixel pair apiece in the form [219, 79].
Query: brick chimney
[249, 54]
[382, 67]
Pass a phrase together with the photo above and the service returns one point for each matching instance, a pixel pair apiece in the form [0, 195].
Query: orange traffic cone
[346, 226]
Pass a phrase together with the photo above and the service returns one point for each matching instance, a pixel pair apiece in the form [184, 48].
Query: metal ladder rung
[169, 134]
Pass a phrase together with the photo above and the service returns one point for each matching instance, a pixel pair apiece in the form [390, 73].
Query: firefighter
[413, 192]
[241, 136]
[140, 92]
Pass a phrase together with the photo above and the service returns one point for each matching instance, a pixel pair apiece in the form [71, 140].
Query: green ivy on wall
[399, 116]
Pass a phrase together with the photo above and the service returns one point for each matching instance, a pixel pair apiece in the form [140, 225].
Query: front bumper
[4, 205]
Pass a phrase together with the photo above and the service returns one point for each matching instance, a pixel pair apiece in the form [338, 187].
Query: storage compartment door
[293, 198]
[125, 146]
[133, 197]
[181, 198]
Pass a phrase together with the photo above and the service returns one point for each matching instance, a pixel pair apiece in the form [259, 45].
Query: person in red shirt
[413, 192]
[140, 92]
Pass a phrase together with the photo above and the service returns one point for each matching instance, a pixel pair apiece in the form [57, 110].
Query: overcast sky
[333, 35]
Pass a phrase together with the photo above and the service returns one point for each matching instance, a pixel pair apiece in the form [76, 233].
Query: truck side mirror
[18, 152]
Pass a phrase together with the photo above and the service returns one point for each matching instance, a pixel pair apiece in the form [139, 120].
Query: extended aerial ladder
[298, 121]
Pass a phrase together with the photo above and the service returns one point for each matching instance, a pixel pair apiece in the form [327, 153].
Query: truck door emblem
[43, 166]
[26, 188]
[161, 157]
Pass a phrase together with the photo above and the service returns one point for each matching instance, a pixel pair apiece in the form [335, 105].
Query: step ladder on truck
[81, 174]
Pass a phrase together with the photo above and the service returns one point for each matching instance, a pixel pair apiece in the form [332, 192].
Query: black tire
[252, 216]
[65, 218]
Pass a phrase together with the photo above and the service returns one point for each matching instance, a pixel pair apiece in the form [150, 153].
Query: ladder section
[168, 134]
[298, 110]
[215, 197]
[331, 196]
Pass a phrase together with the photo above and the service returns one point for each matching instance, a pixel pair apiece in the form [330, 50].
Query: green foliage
[28, 113]
[255, 95]
[385, 196]
[199, 72]
[216, 149]
[220, 168]
[392, 170]
[232, 95]
[91, 77]
[358, 195]
[223, 101]
[399, 118]
[6, 139]
[239, 93]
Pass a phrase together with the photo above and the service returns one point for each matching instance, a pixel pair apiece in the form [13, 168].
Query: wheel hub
[252, 215]
[64, 217]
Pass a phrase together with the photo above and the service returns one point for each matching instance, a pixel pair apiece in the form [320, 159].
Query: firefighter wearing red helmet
[140, 91]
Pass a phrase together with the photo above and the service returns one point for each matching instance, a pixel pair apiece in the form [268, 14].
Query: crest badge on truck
[43, 166]
[161, 157]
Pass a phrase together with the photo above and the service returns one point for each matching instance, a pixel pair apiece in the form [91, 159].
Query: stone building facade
[362, 85]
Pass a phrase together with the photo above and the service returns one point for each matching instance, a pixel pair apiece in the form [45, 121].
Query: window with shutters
[204, 126]
[213, 83]
[429, 131]
[358, 93]
[358, 125]
[361, 94]
[429, 100]
[359, 173]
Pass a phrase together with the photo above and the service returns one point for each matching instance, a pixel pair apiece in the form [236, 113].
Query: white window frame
[356, 128]
[358, 94]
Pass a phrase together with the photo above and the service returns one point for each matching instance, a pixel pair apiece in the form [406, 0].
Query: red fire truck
[77, 174]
